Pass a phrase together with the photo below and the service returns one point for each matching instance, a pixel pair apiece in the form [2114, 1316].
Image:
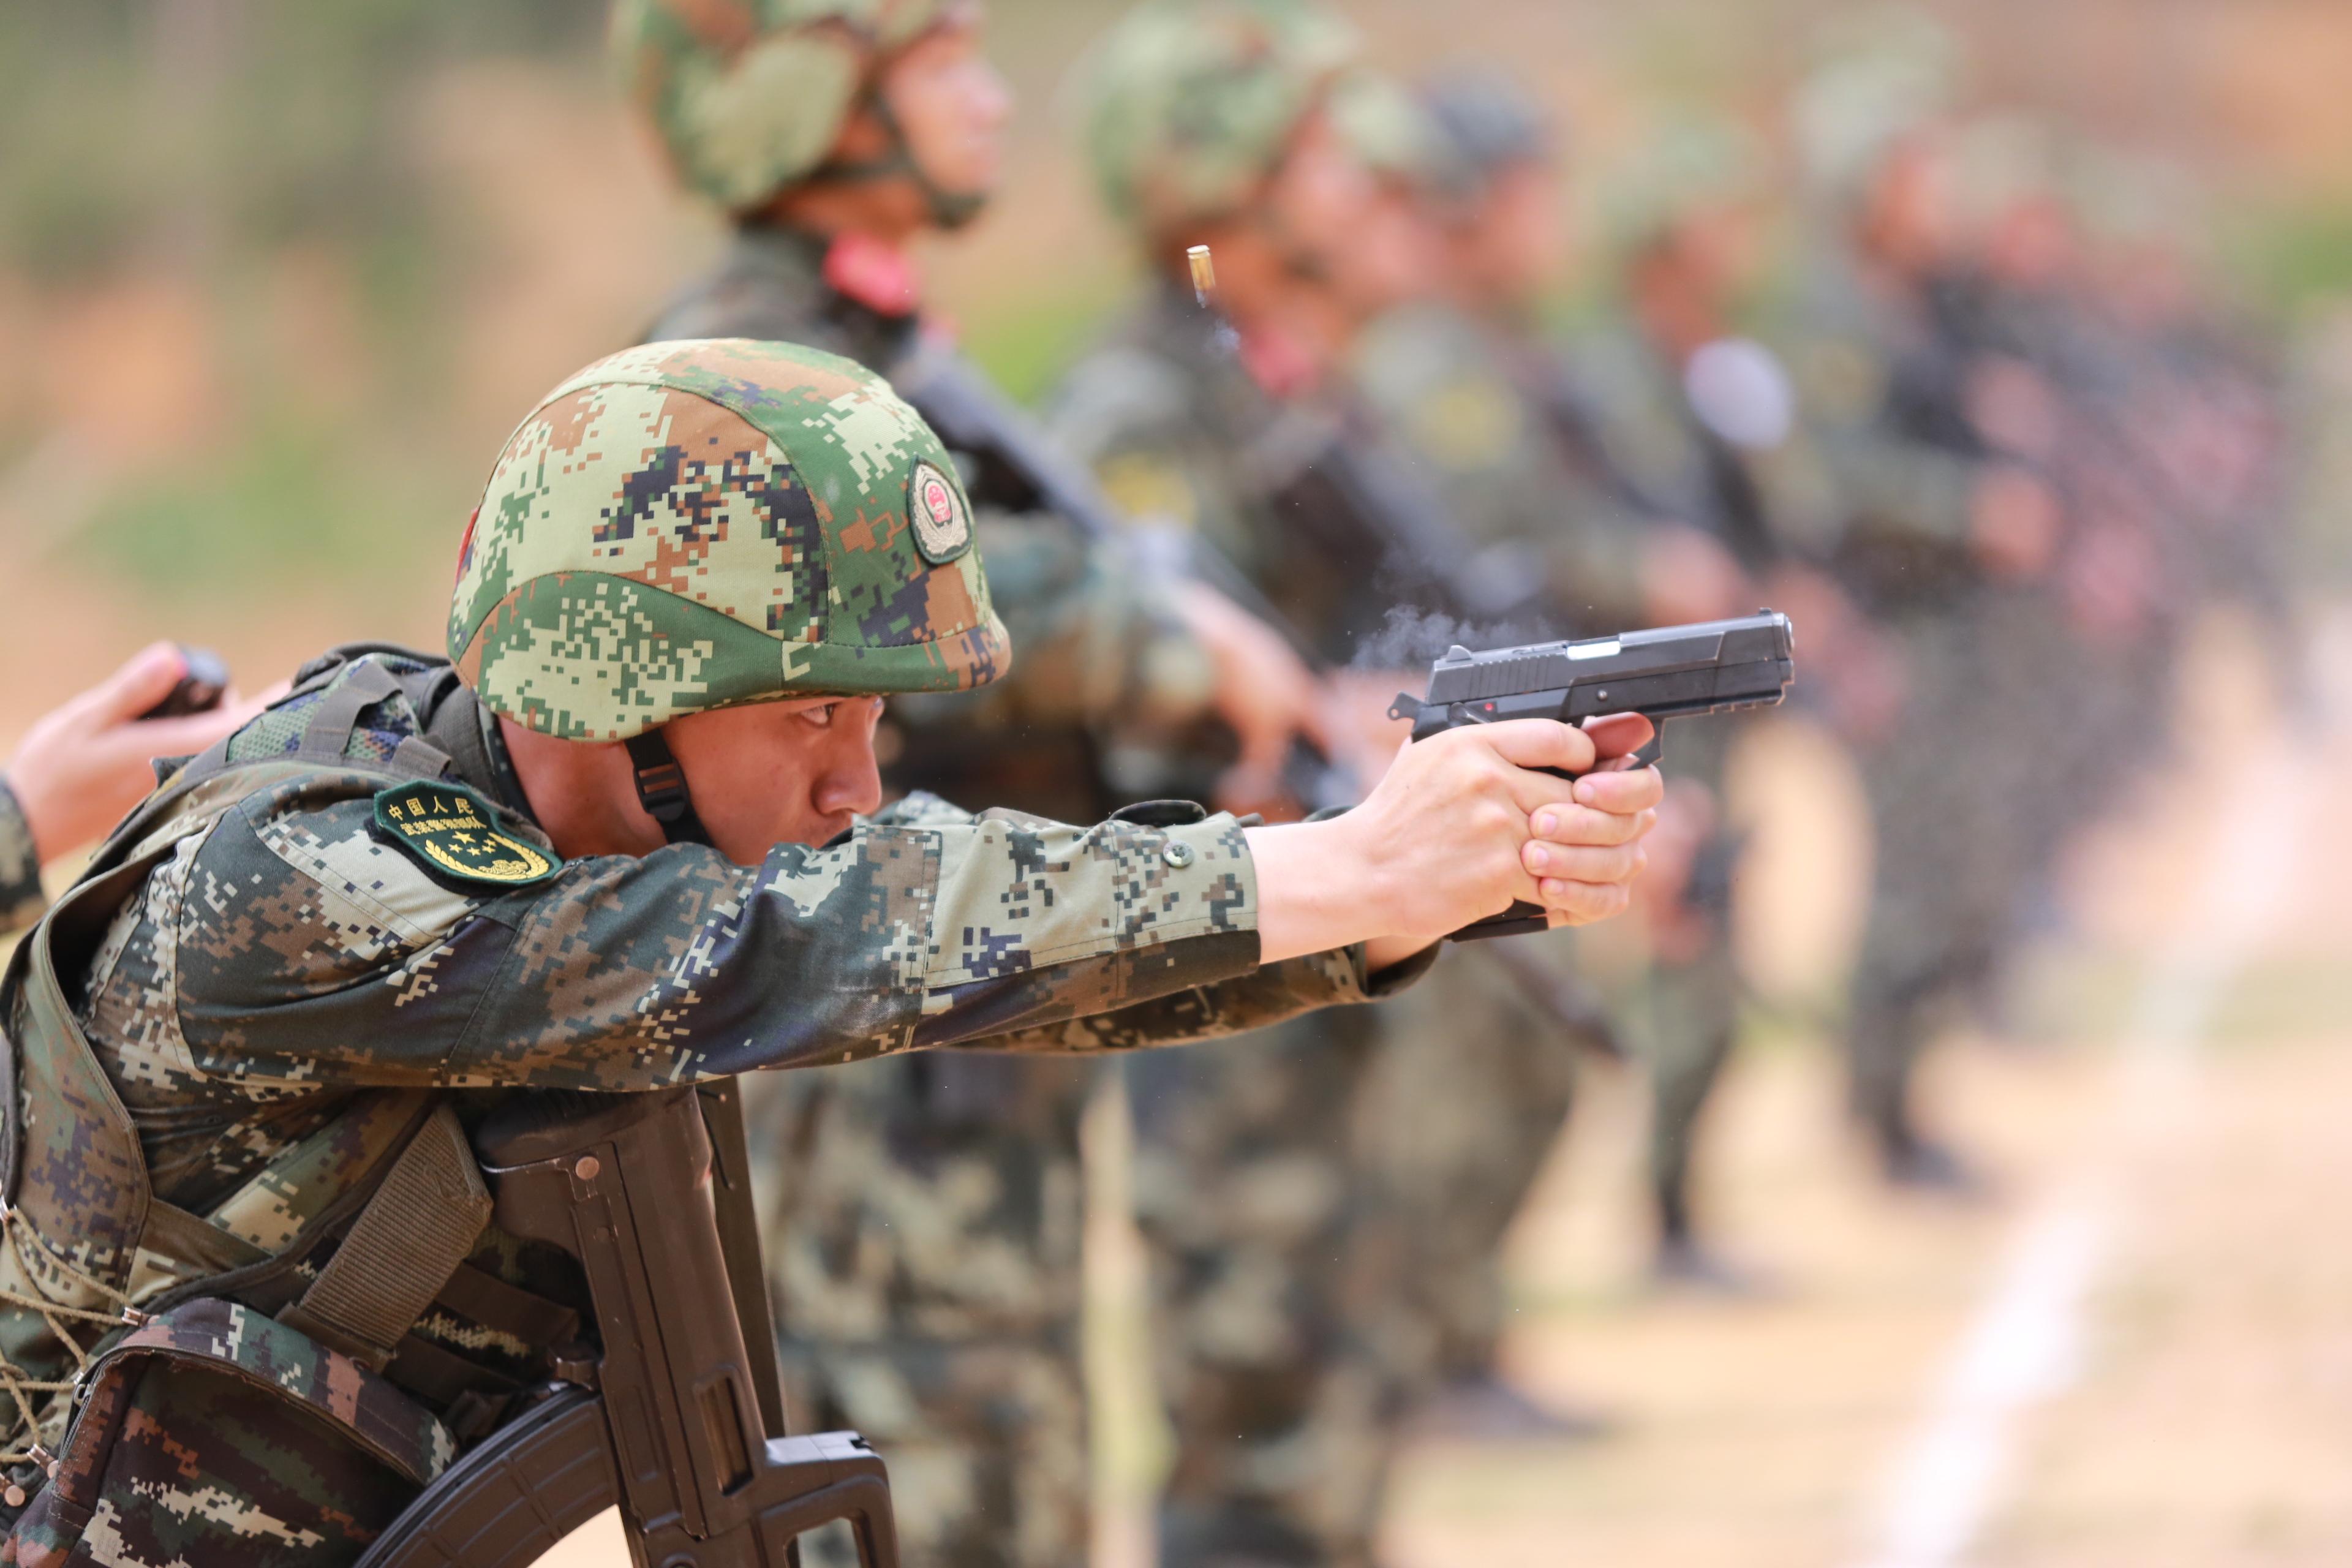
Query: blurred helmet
[1387, 128]
[749, 96]
[1687, 164]
[1483, 121]
[1879, 76]
[703, 524]
[1191, 104]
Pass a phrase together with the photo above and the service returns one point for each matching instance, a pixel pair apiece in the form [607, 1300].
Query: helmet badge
[943, 523]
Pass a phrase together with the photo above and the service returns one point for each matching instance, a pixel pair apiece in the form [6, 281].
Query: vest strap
[337, 711]
[423, 758]
[402, 1248]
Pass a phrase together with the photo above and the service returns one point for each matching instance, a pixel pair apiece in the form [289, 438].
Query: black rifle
[1673, 672]
[674, 1417]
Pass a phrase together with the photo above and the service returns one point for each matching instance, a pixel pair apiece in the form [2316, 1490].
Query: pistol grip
[1522, 918]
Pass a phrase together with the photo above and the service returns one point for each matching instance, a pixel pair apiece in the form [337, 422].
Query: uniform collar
[867, 291]
[468, 731]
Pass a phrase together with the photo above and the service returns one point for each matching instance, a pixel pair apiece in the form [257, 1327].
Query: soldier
[1288, 1208]
[82, 766]
[618, 841]
[924, 1211]
[1529, 454]
[1944, 539]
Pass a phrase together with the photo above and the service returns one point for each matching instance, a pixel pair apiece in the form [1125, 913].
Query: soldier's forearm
[1253, 1000]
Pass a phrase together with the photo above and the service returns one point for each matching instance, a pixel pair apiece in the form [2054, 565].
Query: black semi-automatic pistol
[1673, 672]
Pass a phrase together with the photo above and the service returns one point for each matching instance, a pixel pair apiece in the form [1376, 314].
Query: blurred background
[275, 279]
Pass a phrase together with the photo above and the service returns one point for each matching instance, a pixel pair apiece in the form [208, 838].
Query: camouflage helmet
[748, 95]
[1879, 75]
[1689, 162]
[1387, 128]
[1485, 122]
[1189, 104]
[694, 525]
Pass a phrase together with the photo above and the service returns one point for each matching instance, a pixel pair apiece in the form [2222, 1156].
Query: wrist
[1388, 952]
[1316, 891]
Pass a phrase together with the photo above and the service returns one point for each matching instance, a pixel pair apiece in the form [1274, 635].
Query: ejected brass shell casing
[1204, 273]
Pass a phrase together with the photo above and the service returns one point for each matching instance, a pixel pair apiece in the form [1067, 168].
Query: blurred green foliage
[1028, 345]
[227, 125]
[291, 500]
[2288, 258]
[205, 140]
[201, 138]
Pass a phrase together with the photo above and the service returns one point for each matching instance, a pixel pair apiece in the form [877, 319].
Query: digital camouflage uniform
[1294, 1206]
[1953, 853]
[2137, 517]
[20, 865]
[1881, 389]
[924, 1213]
[346, 914]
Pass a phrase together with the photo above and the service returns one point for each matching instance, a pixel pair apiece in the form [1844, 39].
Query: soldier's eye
[822, 715]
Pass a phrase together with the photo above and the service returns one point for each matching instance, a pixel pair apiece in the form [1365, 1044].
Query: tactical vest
[369, 1220]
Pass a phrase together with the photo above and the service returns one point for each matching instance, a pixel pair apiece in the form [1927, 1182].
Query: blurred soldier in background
[925, 1214]
[1701, 409]
[2162, 437]
[1946, 539]
[1293, 1205]
[2208, 393]
[1475, 1079]
[82, 766]
[1491, 417]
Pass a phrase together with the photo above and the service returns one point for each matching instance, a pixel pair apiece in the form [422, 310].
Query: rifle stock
[665, 1417]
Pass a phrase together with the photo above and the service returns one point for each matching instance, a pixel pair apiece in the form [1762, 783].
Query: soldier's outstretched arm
[293, 945]
[1458, 822]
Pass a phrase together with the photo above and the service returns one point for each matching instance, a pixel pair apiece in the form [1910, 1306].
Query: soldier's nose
[853, 781]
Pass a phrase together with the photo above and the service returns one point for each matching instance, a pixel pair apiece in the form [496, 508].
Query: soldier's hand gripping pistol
[1673, 672]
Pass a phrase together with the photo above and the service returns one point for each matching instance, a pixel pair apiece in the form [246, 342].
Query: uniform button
[1179, 854]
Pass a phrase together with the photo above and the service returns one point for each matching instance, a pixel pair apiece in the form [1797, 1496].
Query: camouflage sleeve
[302, 951]
[20, 865]
[1254, 1001]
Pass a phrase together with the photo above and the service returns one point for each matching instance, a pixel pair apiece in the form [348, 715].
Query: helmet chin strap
[661, 789]
[947, 209]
